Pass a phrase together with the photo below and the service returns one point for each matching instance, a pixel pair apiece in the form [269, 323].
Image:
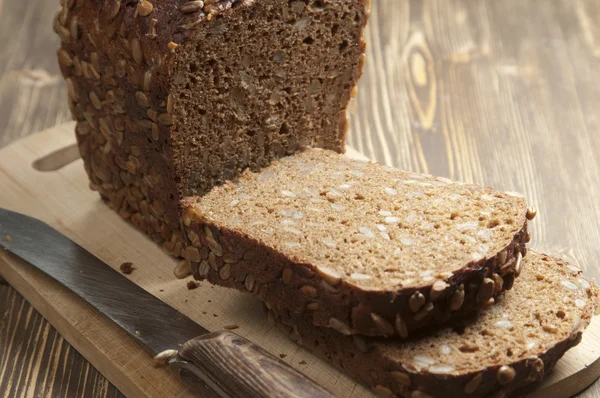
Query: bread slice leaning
[362, 248]
[514, 343]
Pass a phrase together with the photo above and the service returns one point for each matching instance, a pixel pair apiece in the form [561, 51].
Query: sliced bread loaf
[172, 97]
[514, 343]
[363, 248]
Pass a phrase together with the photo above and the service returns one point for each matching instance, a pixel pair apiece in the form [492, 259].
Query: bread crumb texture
[373, 226]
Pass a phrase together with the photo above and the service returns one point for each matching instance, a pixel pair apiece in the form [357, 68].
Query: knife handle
[234, 367]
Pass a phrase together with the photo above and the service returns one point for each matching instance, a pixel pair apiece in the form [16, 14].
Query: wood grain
[497, 92]
[501, 93]
[239, 368]
[34, 359]
[32, 92]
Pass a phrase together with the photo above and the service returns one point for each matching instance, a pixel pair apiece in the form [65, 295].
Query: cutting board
[42, 177]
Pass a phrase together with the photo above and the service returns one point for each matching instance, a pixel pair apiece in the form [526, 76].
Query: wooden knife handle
[234, 367]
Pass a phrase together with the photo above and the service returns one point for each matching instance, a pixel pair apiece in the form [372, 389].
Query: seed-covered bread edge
[228, 258]
[388, 378]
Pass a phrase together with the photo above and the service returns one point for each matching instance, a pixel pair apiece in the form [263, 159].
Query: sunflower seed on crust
[416, 301]
[383, 325]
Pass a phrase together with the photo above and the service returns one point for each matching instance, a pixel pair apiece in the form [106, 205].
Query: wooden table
[448, 83]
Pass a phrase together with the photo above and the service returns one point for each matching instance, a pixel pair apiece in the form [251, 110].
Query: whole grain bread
[514, 343]
[172, 97]
[363, 248]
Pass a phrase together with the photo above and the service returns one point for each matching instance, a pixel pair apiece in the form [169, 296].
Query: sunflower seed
[147, 80]
[192, 254]
[95, 100]
[416, 301]
[71, 90]
[441, 369]
[142, 99]
[214, 246]
[514, 194]
[114, 9]
[166, 119]
[170, 104]
[401, 377]
[64, 58]
[424, 312]
[329, 242]
[498, 283]
[249, 282]
[486, 290]
[400, 327]
[383, 391]
[144, 8]
[121, 69]
[191, 7]
[366, 232]
[474, 384]
[340, 326]
[330, 276]
[225, 272]
[437, 289]
[183, 269]
[309, 291]
[204, 268]
[212, 260]
[137, 52]
[506, 374]
[518, 264]
[382, 325]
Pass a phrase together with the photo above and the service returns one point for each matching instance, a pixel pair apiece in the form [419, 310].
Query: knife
[222, 362]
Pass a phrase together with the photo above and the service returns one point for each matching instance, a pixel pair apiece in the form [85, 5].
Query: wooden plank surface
[500, 92]
[78, 213]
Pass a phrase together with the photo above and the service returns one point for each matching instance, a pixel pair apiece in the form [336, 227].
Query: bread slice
[514, 343]
[365, 249]
[173, 97]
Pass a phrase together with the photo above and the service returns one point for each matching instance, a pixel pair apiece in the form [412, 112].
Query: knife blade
[227, 363]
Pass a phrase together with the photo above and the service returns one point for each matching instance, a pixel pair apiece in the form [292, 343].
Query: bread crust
[382, 373]
[303, 289]
[374, 363]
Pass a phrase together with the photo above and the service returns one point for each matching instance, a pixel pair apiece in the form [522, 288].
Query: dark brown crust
[374, 367]
[371, 365]
[300, 289]
[119, 58]
[113, 130]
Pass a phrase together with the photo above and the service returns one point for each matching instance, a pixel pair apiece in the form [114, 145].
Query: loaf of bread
[172, 97]
[514, 343]
[364, 249]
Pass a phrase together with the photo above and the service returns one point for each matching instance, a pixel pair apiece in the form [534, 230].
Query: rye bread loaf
[514, 343]
[172, 97]
[363, 248]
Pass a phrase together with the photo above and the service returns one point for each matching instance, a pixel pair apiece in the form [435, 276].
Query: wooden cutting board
[61, 197]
